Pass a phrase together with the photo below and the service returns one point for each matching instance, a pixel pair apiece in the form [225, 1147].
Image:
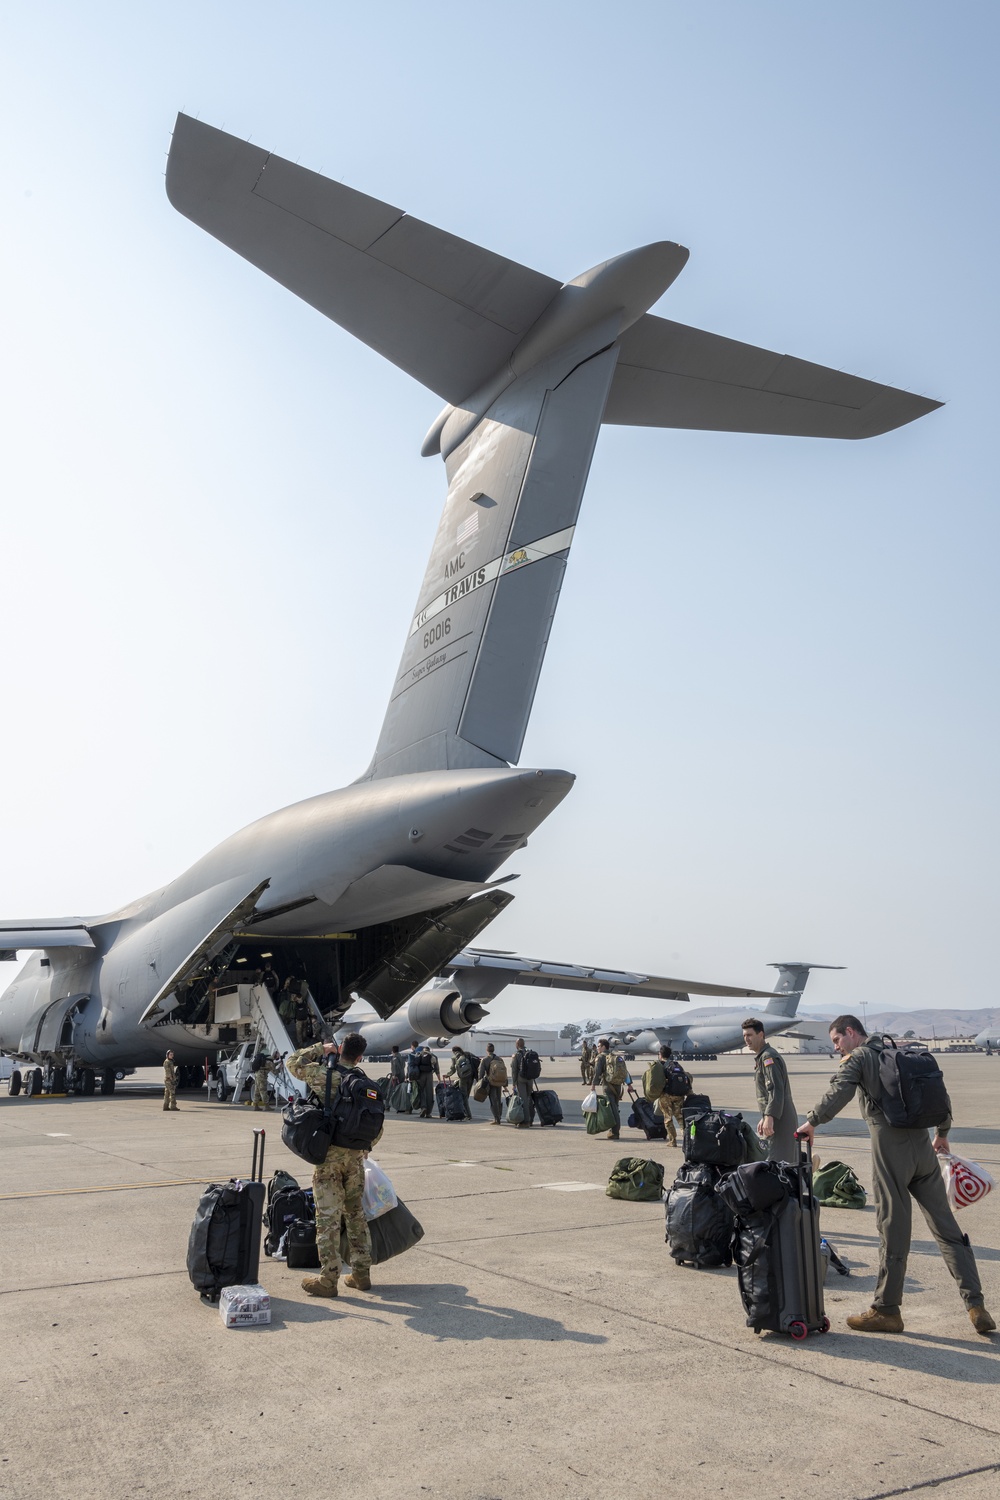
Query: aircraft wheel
[89, 1081]
[58, 1084]
[221, 1092]
[108, 1078]
[14, 1083]
[34, 1083]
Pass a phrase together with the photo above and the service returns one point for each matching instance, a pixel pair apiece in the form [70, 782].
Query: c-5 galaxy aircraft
[372, 890]
[719, 1030]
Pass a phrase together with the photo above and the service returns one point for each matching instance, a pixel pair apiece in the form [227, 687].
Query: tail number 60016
[437, 632]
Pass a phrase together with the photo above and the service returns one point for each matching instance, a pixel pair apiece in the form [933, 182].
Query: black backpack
[413, 1066]
[914, 1096]
[287, 1205]
[425, 1064]
[677, 1080]
[531, 1067]
[358, 1112]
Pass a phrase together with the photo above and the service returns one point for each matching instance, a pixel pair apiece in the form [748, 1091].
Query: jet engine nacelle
[438, 1012]
[712, 1039]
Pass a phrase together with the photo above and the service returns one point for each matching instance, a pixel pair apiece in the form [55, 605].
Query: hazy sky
[774, 664]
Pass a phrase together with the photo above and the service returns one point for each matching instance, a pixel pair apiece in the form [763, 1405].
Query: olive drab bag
[836, 1186]
[914, 1096]
[636, 1180]
[600, 1119]
[654, 1081]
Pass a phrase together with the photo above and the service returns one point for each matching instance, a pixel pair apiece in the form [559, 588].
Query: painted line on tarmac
[111, 1187]
[929, 1484]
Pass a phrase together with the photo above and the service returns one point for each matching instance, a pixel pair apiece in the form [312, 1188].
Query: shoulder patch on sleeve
[769, 1062]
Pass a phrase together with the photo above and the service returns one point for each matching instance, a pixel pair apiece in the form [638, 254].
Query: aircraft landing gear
[14, 1083]
[88, 1082]
[57, 1081]
[108, 1081]
[34, 1083]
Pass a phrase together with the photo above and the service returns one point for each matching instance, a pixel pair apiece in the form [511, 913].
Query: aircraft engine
[712, 1039]
[436, 1012]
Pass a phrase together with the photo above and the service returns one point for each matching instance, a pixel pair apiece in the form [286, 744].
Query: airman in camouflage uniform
[263, 1070]
[338, 1181]
[169, 1082]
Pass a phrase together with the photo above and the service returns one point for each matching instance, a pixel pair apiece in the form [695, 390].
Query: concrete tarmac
[538, 1342]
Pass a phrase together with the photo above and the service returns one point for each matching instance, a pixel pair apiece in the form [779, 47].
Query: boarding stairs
[272, 1033]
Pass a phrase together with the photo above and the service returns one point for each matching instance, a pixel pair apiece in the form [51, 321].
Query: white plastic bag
[965, 1181]
[589, 1105]
[379, 1195]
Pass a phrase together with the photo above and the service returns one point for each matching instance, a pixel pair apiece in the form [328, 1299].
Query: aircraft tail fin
[791, 982]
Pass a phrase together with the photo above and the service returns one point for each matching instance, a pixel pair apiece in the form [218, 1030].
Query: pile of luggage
[726, 1205]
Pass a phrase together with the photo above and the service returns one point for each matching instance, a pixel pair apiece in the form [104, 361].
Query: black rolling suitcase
[778, 1256]
[645, 1118]
[451, 1104]
[224, 1243]
[547, 1106]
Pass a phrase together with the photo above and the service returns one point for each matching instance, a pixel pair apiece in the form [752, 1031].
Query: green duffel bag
[601, 1119]
[836, 1186]
[636, 1180]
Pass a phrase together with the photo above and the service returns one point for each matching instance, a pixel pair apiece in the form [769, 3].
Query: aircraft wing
[541, 973]
[65, 932]
[670, 375]
[446, 311]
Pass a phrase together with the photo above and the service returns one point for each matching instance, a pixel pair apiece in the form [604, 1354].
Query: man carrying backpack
[464, 1074]
[525, 1067]
[666, 1085]
[610, 1074]
[422, 1068]
[903, 1166]
[339, 1180]
[493, 1072]
[778, 1117]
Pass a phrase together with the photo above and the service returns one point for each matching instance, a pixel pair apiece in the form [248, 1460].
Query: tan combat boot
[359, 1281]
[981, 1320]
[319, 1286]
[876, 1321]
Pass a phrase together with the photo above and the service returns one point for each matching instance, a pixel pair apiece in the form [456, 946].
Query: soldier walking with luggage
[464, 1074]
[778, 1116]
[609, 1076]
[303, 1021]
[427, 1069]
[522, 1084]
[904, 1165]
[169, 1082]
[493, 1072]
[339, 1180]
[397, 1075]
[263, 1067]
[586, 1053]
[661, 1084]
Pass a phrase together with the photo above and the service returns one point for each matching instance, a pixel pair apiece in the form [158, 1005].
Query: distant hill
[927, 1022]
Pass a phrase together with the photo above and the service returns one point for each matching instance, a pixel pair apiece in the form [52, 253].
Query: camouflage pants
[170, 1096]
[338, 1183]
[260, 1089]
[671, 1107]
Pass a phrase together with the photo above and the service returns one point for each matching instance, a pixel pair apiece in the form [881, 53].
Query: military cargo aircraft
[718, 1030]
[373, 890]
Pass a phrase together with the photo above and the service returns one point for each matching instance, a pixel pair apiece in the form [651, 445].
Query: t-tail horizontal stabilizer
[530, 369]
[791, 982]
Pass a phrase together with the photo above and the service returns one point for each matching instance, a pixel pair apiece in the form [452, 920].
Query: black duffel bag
[306, 1127]
[390, 1234]
[714, 1137]
[753, 1187]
